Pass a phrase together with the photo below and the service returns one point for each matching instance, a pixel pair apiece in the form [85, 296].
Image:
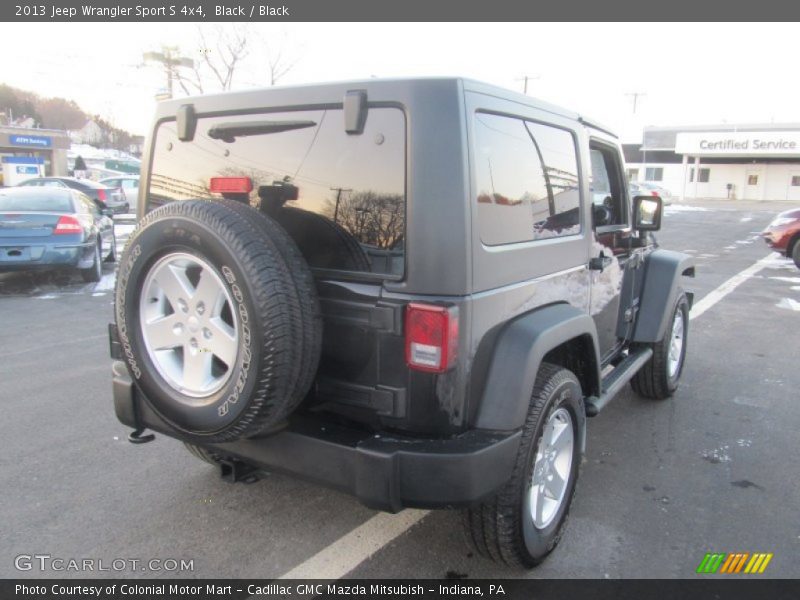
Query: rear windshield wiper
[228, 132]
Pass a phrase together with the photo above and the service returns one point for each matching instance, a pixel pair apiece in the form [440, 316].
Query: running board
[617, 379]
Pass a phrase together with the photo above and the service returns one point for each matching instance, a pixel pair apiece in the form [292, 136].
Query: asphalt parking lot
[712, 470]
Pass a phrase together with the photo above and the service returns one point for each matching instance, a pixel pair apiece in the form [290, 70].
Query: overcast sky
[689, 74]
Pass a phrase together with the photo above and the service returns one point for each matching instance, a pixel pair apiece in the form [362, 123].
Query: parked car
[663, 193]
[54, 227]
[129, 184]
[645, 188]
[422, 313]
[783, 234]
[107, 197]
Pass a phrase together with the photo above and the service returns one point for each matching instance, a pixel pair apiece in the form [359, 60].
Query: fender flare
[518, 353]
[663, 272]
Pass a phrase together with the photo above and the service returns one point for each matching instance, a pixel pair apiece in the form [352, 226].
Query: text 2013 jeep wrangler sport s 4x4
[414, 291]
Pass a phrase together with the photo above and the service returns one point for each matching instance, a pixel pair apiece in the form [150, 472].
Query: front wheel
[796, 254]
[658, 378]
[524, 522]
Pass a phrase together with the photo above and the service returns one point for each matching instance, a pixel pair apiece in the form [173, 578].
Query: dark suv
[414, 291]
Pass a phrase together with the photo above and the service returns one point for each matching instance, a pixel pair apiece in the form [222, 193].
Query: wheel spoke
[223, 342]
[173, 282]
[540, 500]
[161, 333]
[209, 292]
[555, 486]
[196, 368]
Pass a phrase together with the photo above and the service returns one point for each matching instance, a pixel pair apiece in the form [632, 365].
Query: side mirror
[647, 213]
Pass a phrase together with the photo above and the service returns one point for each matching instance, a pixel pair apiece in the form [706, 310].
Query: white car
[129, 184]
[664, 194]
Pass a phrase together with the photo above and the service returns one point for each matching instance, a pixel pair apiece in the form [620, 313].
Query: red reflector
[67, 224]
[431, 337]
[231, 185]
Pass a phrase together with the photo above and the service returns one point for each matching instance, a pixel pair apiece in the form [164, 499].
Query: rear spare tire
[208, 314]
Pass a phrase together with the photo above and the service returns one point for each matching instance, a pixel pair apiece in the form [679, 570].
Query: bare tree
[218, 54]
[279, 61]
[373, 218]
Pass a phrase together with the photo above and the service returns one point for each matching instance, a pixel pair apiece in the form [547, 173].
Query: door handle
[598, 263]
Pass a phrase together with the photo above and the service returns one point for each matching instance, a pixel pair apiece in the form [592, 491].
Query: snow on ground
[106, 283]
[789, 303]
[123, 230]
[676, 208]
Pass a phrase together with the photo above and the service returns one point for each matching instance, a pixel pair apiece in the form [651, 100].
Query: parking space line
[353, 548]
[731, 284]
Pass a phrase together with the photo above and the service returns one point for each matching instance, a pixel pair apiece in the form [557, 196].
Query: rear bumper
[384, 471]
[31, 256]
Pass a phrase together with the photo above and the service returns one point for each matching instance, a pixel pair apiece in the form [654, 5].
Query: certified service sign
[739, 143]
[35, 141]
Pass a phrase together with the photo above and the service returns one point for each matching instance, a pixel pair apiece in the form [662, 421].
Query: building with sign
[25, 150]
[751, 162]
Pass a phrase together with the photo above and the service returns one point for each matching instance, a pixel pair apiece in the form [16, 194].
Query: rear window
[88, 183]
[60, 203]
[349, 211]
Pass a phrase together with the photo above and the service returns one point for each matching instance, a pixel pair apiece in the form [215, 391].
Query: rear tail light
[654, 193]
[431, 337]
[101, 195]
[231, 185]
[66, 225]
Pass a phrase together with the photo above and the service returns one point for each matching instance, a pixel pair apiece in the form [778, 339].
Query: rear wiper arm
[228, 132]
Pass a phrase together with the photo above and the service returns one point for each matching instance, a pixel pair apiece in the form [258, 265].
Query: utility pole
[525, 80]
[635, 96]
[338, 198]
[169, 58]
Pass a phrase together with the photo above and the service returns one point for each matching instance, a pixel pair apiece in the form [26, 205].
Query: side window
[52, 183]
[608, 196]
[562, 214]
[527, 184]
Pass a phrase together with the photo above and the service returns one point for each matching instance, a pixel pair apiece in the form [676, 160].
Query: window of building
[795, 180]
[633, 174]
[654, 174]
[703, 175]
[752, 180]
[527, 180]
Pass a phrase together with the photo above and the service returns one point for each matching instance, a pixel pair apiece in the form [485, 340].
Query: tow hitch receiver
[235, 471]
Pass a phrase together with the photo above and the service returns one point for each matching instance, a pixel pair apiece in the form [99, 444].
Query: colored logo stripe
[734, 562]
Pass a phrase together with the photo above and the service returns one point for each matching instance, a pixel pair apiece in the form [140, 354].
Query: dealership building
[750, 162]
[29, 152]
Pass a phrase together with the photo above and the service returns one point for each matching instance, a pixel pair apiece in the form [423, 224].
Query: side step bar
[617, 379]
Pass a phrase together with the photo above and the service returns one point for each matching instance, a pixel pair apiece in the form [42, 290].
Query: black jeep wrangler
[414, 291]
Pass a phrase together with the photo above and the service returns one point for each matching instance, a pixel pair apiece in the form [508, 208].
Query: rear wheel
[524, 522]
[94, 272]
[658, 378]
[112, 253]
